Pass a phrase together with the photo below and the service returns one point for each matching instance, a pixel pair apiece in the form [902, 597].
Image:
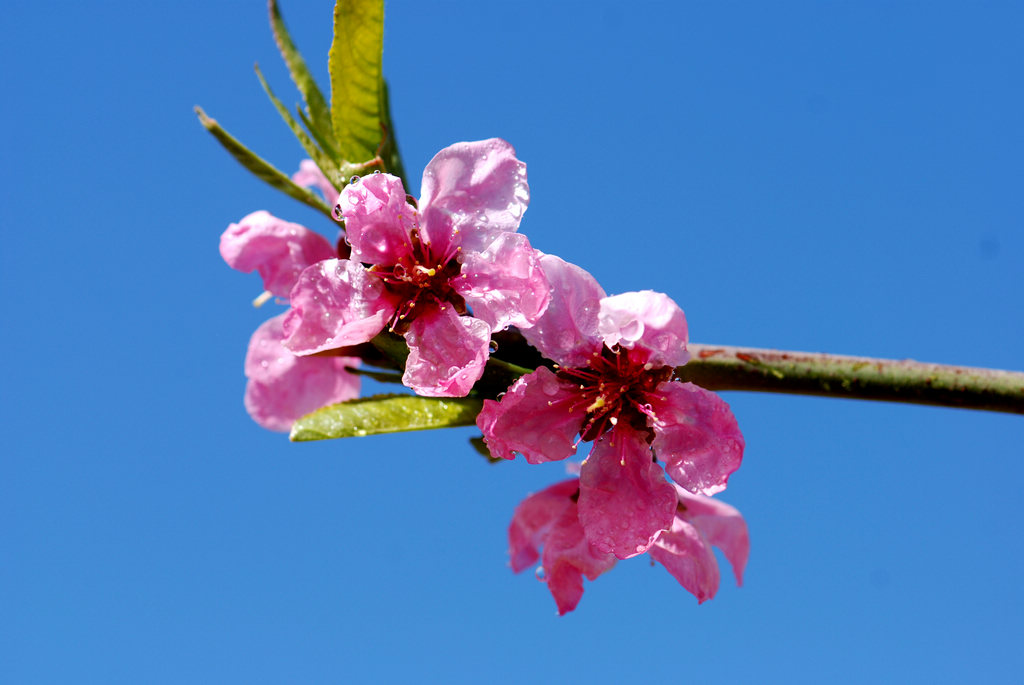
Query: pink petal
[686, 554]
[475, 188]
[567, 330]
[278, 249]
[568, 555]
[533, 519]
[696, 435]
[722, 525]
[538, 417]
[336, 303]
[504, 284]
[283, 387]
[447, 353]
[648, 322]
[625, 501]
[310, 176]
[378, 219]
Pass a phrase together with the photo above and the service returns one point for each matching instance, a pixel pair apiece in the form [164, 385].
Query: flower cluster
[448, 273]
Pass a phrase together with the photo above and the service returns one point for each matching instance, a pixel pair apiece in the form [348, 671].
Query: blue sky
[841, 177]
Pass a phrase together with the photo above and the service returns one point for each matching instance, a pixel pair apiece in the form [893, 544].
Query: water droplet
[353, 179]
[377, 171]
[493, 347]
[500, 395]
[336, 213]
[541, 573]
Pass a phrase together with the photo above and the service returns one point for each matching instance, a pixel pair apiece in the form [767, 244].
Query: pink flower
[445, 275]
[549, 520]
[283, 387]
[614, 386]
[310, 176]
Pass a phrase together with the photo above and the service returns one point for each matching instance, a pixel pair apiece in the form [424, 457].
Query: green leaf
[385, 414]
[355, 67]
[316, 106]
[322, 160]
[260, 167]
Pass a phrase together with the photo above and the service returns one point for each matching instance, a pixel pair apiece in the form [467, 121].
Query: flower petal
[310, 176]
[447, 353]
[625, 501]
[722, 525]
[278, 249]
[538, 417]
[648, 322]
[504, 284]
[533, 519]
[696, 435]
[568, 555]
[336, 303]
[687, 555]
[283, 387]
[567, 330]
[378, 219]
[475, 188]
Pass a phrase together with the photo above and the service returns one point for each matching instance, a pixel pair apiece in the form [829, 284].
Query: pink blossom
[614, 385]
[549, 521]
[446, 275]
[283, 387]
[310, 176]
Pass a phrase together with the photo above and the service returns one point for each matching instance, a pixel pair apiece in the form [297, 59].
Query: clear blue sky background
[842, 177]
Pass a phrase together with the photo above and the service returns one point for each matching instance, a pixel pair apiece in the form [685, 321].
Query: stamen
[262, 299]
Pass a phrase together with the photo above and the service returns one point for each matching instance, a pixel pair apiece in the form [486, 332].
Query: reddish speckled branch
[716, 367]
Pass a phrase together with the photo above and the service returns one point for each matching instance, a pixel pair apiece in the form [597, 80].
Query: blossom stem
[717, 367]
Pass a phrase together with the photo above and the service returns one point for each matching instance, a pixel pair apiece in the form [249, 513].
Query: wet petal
[447, 353]
[278, 249]
[310, 176]
[567, 330]
[533, 519]
[504, 284]
[283, 387]
[538, 417]
[475, 188]
[696, 435]
[336, 303]
[722, 525]
[687, 555]
[625, 500]
[648, 322]
[378, 219]
[567, 556]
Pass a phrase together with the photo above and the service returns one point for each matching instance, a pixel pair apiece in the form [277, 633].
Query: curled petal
[283, 387]
[310, 176]
[567, 556]
[278, 249]
[504, 284]
[447, 353]
[687, 555]
[533, 519]
[538, 417]
[567, 330]
[378, 219]
[475, 188]
[648, 322]
[722, 525]
[696, 435]
[335, 303]
[625, 501]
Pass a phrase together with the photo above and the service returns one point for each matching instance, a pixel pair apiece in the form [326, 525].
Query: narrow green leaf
[322, 160]
[316, 106]
[355, 67]
[260, 167]
[386, 414]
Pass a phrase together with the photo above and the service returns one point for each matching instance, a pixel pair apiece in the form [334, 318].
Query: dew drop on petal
[541, 573]
[353, 179]
[376, 172]
[336, 213]
[493, 346]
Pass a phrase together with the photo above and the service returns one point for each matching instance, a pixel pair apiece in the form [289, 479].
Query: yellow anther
[596, 404]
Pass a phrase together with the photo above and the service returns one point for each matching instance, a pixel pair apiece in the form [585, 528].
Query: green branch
[802, 373]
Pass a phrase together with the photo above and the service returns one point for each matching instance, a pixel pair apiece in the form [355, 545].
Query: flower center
[421, 279]
[613, 388]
